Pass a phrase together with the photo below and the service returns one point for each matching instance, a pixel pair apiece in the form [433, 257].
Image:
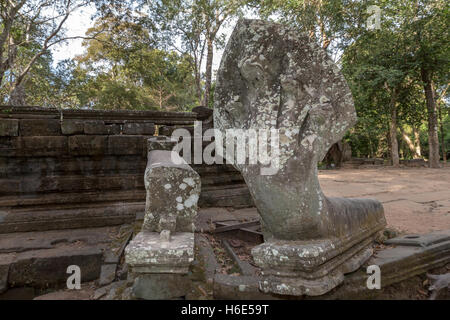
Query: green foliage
[122, 69]
[158, 55]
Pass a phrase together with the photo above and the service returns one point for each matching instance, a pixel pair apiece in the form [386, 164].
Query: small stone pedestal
[160, 267]
[160, 255]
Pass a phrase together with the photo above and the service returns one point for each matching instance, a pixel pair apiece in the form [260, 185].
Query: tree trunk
[417, 142]
[433, 139]
[209, 62]
[441, 125]
[411, 146]
[393, 132]
[17, 96]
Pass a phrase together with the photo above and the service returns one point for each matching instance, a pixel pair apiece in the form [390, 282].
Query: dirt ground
[415, 200]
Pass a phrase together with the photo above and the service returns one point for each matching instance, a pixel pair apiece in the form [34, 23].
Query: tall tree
[28, 29]
[193, 27]
[426, 24]
[123, 69]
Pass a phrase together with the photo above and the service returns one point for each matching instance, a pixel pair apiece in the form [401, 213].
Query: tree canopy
[159, 55]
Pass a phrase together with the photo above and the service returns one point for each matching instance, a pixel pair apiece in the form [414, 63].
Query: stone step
[55, 166]
[68, 217]
[236, 195]
[75, 198]
[41, 259]
[67, 183]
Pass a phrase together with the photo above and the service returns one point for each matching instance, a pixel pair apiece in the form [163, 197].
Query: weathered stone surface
[44, 267]
[70, 127]
[95, 127]
[135, 128]
[88, 145]
[228, 287]
[65, 295]
[41, 181]
[4, 271]
[421, 240]
[41, 258]
[9, 146]
[146, 253]
[173, 191]
[67, 217]
[161, 143]
[166, 130]
[207, 258]
[161, 254]
[43, 146]
[72, 183]
[38, 146]
[113, 129]
[107, 274]
[397, 264]
[9, 128]
[161, 286]
[84, 166]
[98, 127]
[268, 79]
[40, 127]
[126, 145]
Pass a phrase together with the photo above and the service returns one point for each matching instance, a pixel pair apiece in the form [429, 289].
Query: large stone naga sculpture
[270, 77]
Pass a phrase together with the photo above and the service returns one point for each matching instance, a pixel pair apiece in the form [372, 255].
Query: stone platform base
[299, 268]
[295, 285]
[161, 286]
[40, 259]
[146, 253]
[410, 256]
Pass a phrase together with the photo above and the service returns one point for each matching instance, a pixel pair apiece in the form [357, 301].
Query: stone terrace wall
[78, 168]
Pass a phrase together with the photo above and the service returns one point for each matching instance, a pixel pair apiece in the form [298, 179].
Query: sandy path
[416, 200]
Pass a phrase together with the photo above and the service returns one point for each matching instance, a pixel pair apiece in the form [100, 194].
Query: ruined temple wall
[83, 168]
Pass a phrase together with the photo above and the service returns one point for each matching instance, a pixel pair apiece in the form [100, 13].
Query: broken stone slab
[41, 259]
[161, 286]
[43, 268]
[99, 293]
[107, 274]
[146, 253]
[244, 267]
[272, 77]
[423, 240]
[439, 282]
[397, 264]
[114, 290]
[173, 190]
[207, 258]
